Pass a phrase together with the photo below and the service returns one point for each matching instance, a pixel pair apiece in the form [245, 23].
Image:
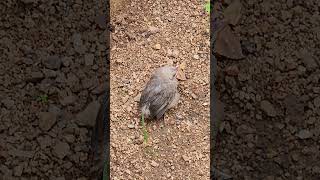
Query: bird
[160, 93]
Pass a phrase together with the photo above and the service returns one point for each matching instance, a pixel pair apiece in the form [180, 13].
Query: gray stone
[8, 103]
[316, 102]
[268, 108]
[52, 62]
[308, 60]
[68, 100]
[88, 59]
[35, 77]
[61, 149]
[304, 134]
[47, 120]
[89, 115]
[18, 170]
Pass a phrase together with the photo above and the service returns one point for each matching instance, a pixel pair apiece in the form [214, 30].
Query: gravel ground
[271, 97]
[51, 70]
[51, 82]
[148, 35]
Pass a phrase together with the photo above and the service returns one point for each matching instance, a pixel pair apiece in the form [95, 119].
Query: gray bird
[160, 94]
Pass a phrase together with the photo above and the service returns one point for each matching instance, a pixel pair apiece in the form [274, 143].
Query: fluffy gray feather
[160, 93]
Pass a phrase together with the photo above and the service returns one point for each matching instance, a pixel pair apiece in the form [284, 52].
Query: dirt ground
[52, 62]
[146, 36]
[270, 128]
[51, 80]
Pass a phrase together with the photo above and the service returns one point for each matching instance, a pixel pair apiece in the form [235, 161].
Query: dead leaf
[233, 12]
[183, 66]
[228, 45]
[180, 73]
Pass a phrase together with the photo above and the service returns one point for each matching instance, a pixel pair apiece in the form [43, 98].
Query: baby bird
[160, 94]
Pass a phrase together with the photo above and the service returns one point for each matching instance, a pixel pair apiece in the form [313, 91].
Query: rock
[304, 134]
[154, 164]
[27, 61]
[316, 102]
[20, 153]
[185, 158]
[137, 98]
[294, 109]
[69, 138]
[54, 109]
[18, 170]
[35, 77]
[5, 170]
[68, 100]
[50, 73]
[175, 53]
[153, 30]
[8, 103]
[196, 56]
[88, 59]
[61, 149]
[227, 44]
[77, 40]
[157, 47]
[52, 62]
[78, 44]
[66, 61]
[308, 60]
[194, 96]
[268, 108]
[44, 141]
[89, 115]
[232, 13]
[150, 31]
[47, 120]
[131, 126]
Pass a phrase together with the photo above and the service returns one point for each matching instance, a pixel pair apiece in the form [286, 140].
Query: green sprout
[207, 6]
[145, 133]
[43, 98]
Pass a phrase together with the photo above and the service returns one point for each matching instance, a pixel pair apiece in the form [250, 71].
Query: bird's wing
[159, 95]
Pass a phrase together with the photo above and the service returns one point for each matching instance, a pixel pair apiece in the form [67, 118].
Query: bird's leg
[164, 120]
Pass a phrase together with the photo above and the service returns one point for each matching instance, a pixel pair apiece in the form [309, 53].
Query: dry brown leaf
[233, 12]
[228, 45]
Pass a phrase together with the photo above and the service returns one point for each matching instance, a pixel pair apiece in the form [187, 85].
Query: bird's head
[168, 72]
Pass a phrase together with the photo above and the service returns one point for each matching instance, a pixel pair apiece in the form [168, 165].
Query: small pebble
[154, 164]
[157, 47]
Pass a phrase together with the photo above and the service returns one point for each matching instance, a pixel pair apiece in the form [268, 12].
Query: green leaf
[207, 7]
